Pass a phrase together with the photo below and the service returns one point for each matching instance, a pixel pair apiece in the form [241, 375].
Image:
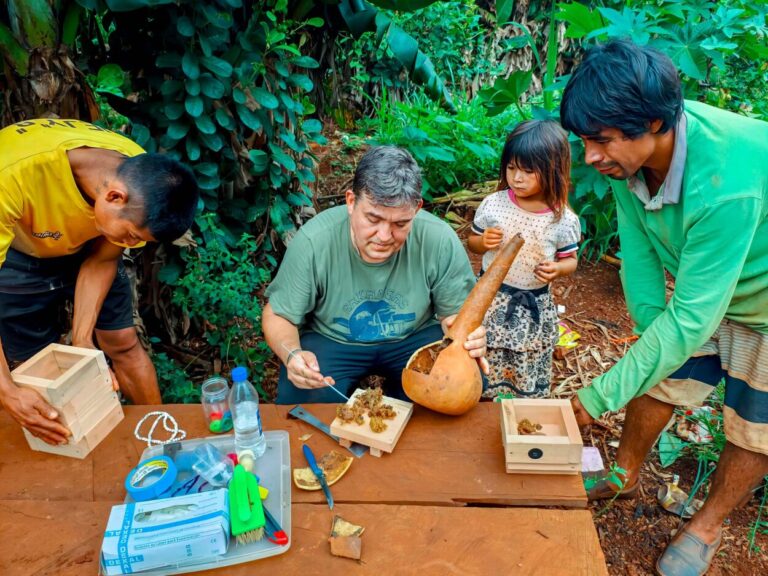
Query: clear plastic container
[274, 475]
[215, 401]
[250, 443]
[212, 465]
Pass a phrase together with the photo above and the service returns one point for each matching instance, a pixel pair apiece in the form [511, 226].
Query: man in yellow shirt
[73, 196]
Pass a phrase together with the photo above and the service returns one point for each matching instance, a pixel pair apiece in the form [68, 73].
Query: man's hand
[476, 343]
[304, 371]
[29, 409]
[582, 416]
[492, 238]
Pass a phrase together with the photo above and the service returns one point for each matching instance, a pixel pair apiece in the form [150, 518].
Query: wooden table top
[417, 504]
[439, 459]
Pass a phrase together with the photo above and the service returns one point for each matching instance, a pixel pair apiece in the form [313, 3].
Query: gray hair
[389, 176]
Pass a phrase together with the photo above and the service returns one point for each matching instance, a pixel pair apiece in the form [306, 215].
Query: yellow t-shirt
[42, 212]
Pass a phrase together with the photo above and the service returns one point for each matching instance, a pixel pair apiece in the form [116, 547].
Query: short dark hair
[166, 191]
[389, 176]
[622, 85]
[540, 146]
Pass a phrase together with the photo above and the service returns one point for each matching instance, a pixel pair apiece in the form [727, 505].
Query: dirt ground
[632, 533]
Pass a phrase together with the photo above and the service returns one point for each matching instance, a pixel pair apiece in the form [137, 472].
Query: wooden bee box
[77, 383]
[557, 447]
[362, 434]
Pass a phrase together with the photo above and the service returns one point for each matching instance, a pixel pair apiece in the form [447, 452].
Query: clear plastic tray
[274, 471]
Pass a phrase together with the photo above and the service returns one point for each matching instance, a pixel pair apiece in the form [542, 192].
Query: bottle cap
[239, 374]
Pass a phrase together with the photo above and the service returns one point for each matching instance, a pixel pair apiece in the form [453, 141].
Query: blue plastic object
[141, 492]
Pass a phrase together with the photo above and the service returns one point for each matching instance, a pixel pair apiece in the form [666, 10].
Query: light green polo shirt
[714, 241]
[325, 286]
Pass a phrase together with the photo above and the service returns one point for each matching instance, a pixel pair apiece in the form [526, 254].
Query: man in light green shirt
[692, 195]
[364, 285]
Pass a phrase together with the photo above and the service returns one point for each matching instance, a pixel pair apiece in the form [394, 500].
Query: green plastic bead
[215, 426]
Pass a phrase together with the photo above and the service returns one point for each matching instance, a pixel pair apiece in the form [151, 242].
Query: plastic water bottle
[250, 442]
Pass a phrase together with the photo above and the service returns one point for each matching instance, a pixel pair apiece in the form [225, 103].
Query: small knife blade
[318, 472]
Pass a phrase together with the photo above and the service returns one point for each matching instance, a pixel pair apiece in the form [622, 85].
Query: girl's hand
[547, 271]
[492, 238]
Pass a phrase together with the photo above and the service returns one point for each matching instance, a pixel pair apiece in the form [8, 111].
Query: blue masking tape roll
[156, 489]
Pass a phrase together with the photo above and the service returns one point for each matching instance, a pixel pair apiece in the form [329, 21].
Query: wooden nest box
[77, 383]
[553, 445]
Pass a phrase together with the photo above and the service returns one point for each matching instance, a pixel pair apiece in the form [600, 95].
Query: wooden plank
[440, 460]
[64, 539]
[362, 433]
[57, 371]
[89, 441]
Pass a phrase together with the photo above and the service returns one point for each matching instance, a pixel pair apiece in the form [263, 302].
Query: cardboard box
[555, 449]
[167, 532]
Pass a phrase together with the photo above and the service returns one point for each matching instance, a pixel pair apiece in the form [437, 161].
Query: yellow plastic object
[568, 337]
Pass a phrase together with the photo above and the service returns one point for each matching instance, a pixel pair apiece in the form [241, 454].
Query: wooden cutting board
[361, 433]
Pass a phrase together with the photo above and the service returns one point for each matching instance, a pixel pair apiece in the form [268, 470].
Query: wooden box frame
[556, 451]
[77, 383]
[362, 434]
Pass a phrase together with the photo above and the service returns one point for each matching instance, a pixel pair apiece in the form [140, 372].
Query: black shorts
[32, 293]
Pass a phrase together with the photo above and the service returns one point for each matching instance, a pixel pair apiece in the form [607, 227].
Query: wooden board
[442, 460]
[77, 383]
[63, 539]
[81, 448]
[59, 372]
[556, 449]
[362, 434]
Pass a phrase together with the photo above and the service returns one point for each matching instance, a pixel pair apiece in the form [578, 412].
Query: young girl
[532, 199]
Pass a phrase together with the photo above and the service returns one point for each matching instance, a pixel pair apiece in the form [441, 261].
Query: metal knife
[319, 473]
[299, 412]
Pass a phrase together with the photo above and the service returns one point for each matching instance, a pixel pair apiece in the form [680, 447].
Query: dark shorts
[349, 363]
[32, 293]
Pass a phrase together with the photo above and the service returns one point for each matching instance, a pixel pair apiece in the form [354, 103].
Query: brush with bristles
[245, 509]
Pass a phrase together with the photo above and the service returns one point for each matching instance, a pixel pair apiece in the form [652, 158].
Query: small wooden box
[555, 450]
[77, 383]
[362, 434]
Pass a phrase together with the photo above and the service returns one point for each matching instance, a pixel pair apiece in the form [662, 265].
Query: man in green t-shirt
[363, 286]
[691, 187]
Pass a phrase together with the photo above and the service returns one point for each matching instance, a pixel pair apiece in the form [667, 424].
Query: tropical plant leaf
[670, 448]
[360, 17]
[503, 11]
[581, 20]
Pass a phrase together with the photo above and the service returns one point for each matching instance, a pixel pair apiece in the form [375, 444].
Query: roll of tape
[156, 489]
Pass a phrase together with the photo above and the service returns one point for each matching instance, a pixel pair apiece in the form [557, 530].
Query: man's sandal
[605, 490]
[687, 555]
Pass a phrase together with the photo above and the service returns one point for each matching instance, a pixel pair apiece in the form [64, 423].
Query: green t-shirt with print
[325, 286]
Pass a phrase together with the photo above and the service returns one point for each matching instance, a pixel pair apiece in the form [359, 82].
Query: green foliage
[455, 41]
[224, 91]
[452, 151]
[175, 387]
[360, 18]
[700, 37]
[670, 449]
[218, 291]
